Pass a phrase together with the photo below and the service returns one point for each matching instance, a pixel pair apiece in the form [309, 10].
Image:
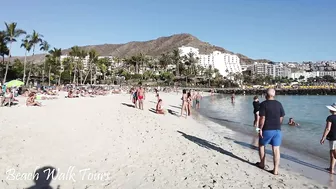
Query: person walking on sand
[141, 96]
[271, 115]
[330, 134]
[256, 106]
[184, 103]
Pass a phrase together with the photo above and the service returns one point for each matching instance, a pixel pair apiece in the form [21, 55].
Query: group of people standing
[268, 120]
[138, 96]
[188, 100]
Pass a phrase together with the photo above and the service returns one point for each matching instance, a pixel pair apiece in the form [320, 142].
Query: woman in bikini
[31, 100]
[159, 107]
[189, 99]
[184, 103]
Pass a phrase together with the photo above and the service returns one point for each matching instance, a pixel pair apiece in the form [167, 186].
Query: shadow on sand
[129, 105]
[284, 156]
[43, 177]
[212, 146]
[178, 107]
[152, 110]
[172, 112]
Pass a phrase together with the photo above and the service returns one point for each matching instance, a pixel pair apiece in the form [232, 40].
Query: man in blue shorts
[271, 115]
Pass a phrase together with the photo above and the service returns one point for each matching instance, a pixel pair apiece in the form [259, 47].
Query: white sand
[139, 149]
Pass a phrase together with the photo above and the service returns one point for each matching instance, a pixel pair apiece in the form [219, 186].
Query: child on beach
[330, 134]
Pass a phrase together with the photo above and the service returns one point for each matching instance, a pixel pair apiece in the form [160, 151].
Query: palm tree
[93, 57]
[176, 60]
[56, 54]
[165, 60]
[82, 54]
[27, 45]
[50, 62]
[74, 55]
[44, 46]
[12, 33]
[210, 72]
[35, 39]
[102, 64]
[4, 51]
[190, 61]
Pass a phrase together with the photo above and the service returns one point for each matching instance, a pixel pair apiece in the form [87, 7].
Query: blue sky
[279, 30]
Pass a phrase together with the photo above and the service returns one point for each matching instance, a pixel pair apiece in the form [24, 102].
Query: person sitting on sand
[330, 134]
[7, 98]
[159, 107]
[31, 100]
[70, 94]
[291, 122]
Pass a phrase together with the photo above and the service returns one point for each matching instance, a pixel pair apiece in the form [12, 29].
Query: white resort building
[224, 62]
[186, 50]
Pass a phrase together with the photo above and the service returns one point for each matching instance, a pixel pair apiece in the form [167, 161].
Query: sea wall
[279, 91]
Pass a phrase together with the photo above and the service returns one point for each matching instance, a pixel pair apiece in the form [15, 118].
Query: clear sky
[279, 30]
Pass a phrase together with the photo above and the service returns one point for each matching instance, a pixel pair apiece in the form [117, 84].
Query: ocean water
[309, 111]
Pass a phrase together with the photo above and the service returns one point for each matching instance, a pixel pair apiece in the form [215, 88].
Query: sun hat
[332, 107]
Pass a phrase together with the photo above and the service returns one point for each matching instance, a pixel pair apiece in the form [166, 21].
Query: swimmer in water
[291, 122]
[233, 98]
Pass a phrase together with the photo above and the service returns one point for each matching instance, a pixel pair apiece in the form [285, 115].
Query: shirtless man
[141, 96]
[198, 99]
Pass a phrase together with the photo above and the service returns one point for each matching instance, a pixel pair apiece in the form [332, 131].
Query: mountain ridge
[154, 47]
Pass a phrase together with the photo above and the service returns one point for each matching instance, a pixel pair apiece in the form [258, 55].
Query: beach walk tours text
[71, 174]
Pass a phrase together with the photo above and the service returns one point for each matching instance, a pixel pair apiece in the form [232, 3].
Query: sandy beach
[102, 142]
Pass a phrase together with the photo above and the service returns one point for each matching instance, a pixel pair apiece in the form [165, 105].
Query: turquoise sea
[309, 111]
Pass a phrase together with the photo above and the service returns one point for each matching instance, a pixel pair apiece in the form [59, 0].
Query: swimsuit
[140, 97]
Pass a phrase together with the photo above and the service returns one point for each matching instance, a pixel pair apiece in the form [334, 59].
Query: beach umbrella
[14, 83]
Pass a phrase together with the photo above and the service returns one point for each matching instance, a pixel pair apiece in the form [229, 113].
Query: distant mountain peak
[153, 47]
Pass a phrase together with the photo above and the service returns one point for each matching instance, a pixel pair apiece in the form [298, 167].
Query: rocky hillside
[154, 47]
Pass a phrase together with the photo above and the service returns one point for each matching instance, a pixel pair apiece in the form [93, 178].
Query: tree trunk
[7, 65]
[70, 73]
[49, 74]
[43, 70]
[60, 72]
[31, 66]
[74, 77]
[28, 78]
[59, 78]
[24, 67]
[177, 69]
[90, 75]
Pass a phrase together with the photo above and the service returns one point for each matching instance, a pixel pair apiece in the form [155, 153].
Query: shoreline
[139, 149]
[306, 164]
